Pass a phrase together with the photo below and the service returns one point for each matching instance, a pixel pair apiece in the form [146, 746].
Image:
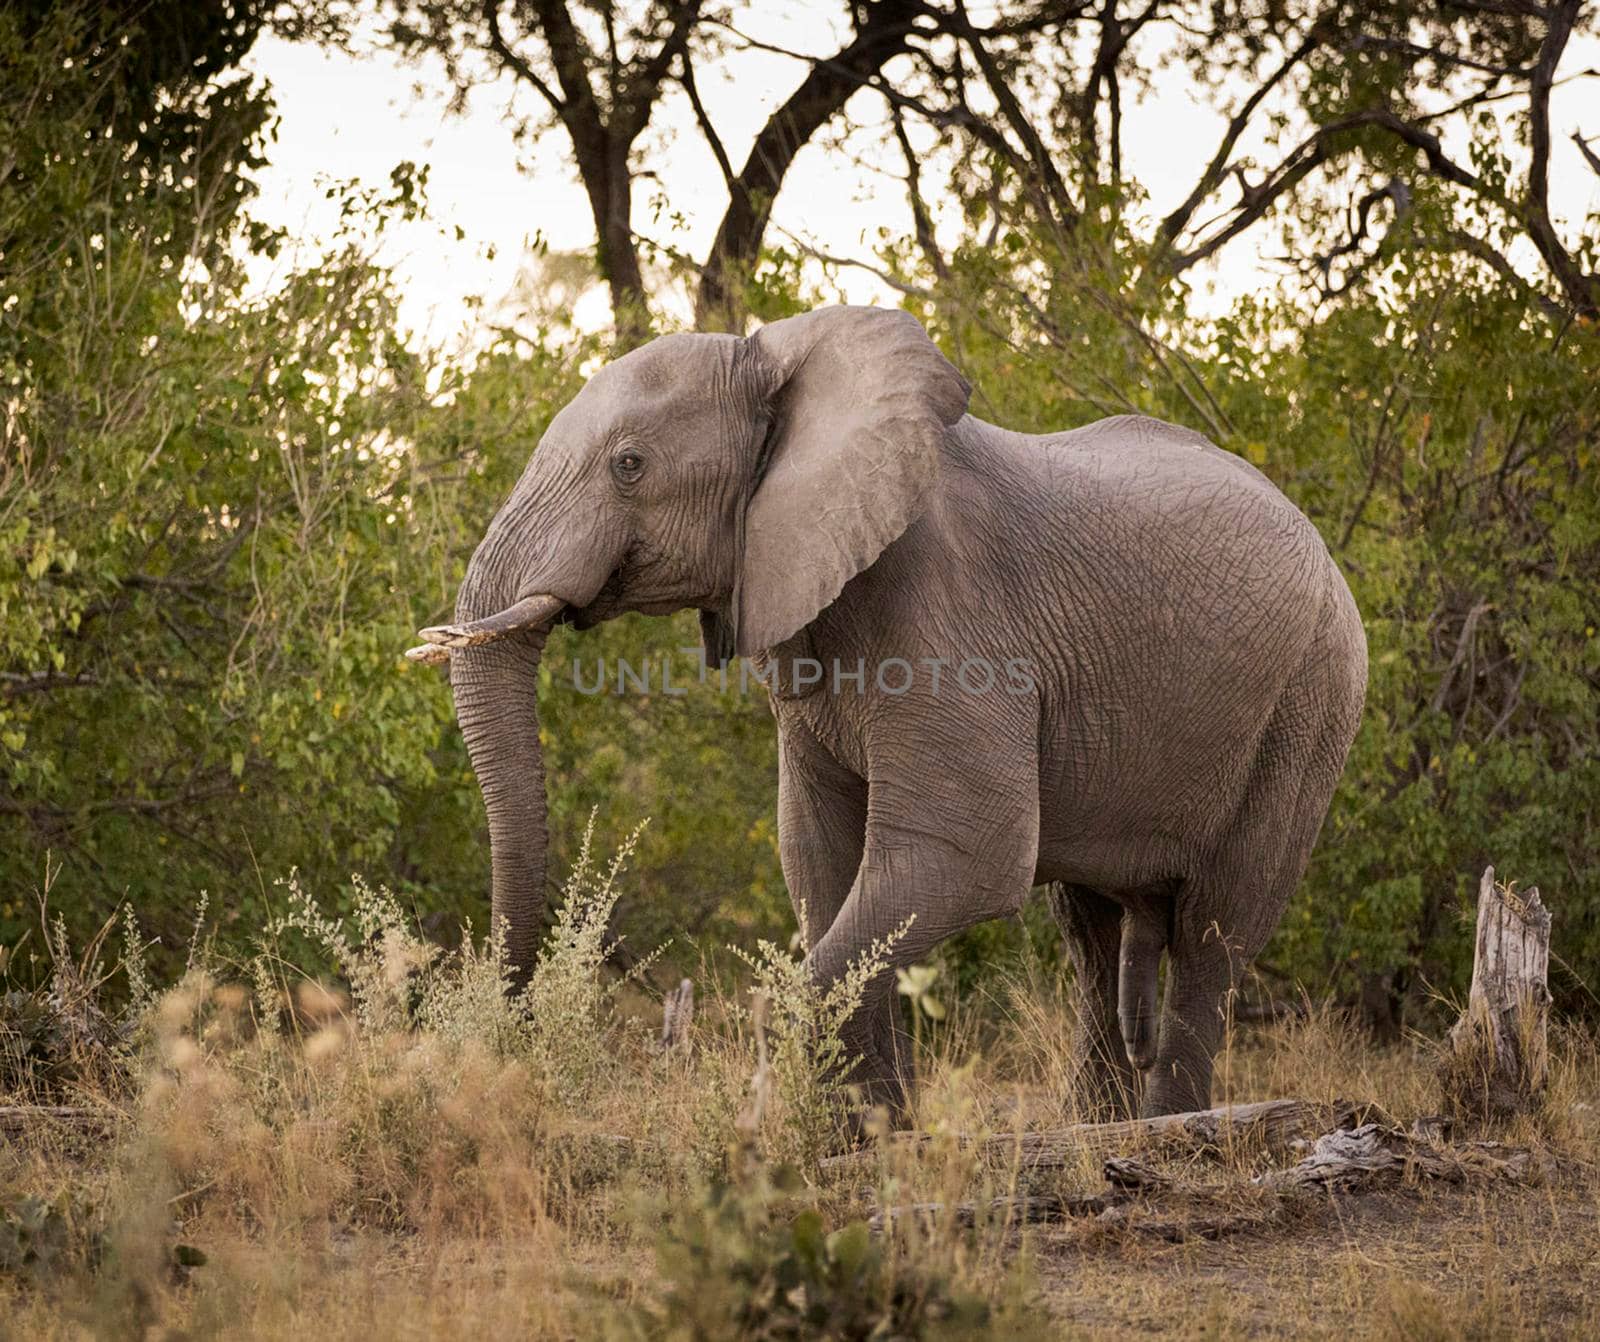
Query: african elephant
[1116, 660]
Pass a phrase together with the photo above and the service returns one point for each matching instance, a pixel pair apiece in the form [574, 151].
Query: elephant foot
[1176, 1088]
[1102, 1094]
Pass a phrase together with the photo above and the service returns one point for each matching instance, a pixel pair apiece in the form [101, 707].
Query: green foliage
[747, 1261]
[703, 755]
[203, 513]
[224, 513]
[811, 1060]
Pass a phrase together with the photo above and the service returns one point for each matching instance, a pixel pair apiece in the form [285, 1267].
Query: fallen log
[1034, 1209]
[1145, 1201]
[1270, 1125]
[1499, 1058]
[20, 1117]
[1175, 1228]
[1134, 1175]
[1350, 1161]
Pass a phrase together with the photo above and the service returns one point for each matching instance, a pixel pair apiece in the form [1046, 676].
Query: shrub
[750, 1260]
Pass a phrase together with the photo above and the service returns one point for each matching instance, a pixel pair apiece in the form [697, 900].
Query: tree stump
[677, 1016]
[1499, 1058]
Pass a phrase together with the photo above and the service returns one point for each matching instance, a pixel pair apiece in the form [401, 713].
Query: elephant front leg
[937, 861]
[822, 831]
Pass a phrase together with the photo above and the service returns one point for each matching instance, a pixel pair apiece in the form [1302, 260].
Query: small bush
[810, 1059]
[751, 1260]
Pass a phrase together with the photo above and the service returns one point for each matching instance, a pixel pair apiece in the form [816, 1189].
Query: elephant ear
[859, 400]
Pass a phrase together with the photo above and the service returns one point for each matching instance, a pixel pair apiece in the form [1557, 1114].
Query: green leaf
[806, 1232]
[850, 1246]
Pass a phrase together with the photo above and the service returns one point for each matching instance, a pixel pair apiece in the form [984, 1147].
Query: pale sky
[346, 116]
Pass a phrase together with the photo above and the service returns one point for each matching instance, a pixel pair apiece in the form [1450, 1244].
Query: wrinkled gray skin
[817, 490]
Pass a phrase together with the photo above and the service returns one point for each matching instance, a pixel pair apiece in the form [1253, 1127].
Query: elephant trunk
[496, 696]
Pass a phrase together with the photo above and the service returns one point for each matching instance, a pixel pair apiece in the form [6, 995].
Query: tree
[202, 571]
[602, 70]
[1354, 98]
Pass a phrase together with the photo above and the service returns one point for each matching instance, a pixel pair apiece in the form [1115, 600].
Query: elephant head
[747, 478]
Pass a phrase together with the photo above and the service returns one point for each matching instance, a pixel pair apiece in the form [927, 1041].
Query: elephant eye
[627, 466]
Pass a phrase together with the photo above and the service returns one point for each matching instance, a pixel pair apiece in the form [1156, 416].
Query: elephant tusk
[528, 613]
[429, 654]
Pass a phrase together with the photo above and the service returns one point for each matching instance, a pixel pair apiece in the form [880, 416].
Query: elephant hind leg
[1102, 1085]
[1227, 909]
[1144, 938]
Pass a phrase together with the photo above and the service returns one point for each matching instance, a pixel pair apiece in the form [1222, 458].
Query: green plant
[806, 1024]
[751, 1261]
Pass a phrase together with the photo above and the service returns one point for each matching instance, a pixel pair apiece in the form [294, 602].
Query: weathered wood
[1372, 1154]
[1035, 1209]
[677, 1016]
[20, 1117]
[1148, 1202]
[1192, 1223]
[1266, 1124]
[1134, 1175]
[1499, 1059]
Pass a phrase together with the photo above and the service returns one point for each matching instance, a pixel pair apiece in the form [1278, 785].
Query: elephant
[1115, 661]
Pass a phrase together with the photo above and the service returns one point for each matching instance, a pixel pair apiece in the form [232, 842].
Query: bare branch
[1065, 212]
[921, 220]
[885, 32]
[1178, 220]
[1398, 194]
[1589, 156]
[511, 60]
[718, 151]
[1522, 9]
[827, 258]
[638, 89]
[1582, 290]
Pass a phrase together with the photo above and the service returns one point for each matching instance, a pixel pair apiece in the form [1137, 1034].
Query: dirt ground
[1412, 1263]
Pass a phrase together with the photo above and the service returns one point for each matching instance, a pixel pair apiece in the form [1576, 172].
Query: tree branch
[641, 87]
[1469, 244]
[718, 151]
[1589, 156]
[579, 108]
[1217, 168]
[920, 218]
[512, 61]
[1064, 214]
[827, 87]
[1582, 290]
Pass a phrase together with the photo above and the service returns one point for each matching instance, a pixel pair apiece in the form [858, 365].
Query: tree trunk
[719, 301]
[603, 169]
[618, 258]
[1499, 1056]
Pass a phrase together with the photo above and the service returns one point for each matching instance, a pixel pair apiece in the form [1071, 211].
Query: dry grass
[410, 1155]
